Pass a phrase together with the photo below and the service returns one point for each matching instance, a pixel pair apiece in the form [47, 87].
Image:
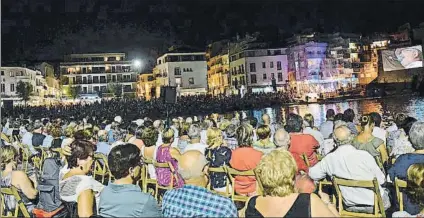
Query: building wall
[218, 74]
[94, 72]
[185, 74]
[280, 74]
[146, 86]
[11, 76]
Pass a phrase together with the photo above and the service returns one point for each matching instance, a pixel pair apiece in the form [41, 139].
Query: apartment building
[218, 64]
[93, 73]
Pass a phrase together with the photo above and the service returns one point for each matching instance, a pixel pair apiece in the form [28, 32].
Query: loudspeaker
[8, 104]
[168, 94]
[274, 84]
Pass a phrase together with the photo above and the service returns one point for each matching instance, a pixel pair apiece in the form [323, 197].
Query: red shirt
[303, 144]
[243, 159]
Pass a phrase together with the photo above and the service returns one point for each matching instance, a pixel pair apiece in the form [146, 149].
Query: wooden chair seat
[399, 186]
[20, 206]
[378, 208]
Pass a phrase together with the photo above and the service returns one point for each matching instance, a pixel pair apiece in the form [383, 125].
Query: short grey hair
[194, 131]
[195, 170]
[282, 138]
[339, 123]
[416, 135]
[345, 140]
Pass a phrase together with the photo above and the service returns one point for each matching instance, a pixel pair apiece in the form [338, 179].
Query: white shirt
[349, 163]
[316, 134]
[379, 133]
[203, 136]
[196, 147]
[326, 128]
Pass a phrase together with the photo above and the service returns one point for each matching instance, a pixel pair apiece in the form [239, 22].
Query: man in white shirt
[378, 131]
[349, 163]
[195, 143]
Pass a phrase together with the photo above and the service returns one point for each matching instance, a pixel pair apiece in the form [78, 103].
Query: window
[252, 67]
[3, 87]
[280, 77]
[272, 76]
[253, 78]
[279, 65]
[12, 74]
[271, 64]
[263, 65]
[2, 73]
[177, 71]
[264, 76]
[191, 81]
[12, 87]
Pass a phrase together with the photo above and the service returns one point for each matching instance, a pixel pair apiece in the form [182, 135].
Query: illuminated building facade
[185, 70]
[93, 73]
[218, 64]
[146, 86]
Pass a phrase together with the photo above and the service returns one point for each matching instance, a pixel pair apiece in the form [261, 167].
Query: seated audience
[404, 161]
[367, 142]
[301, 144]
[102, 146]
[165, 153]
[309, 128]
[350, 163]
[193, 199]
[218, 155]
[377, 131]
[195, 136]
[56, 133]
[123, 197]
[230, 136]
[414, 190]
[349, 117]
[9, 176]
[326, 127]
[76, 187]
[282, 139]
[148, 151]
[399, 140]
[264, 143]
[276, 172]
[245, 158]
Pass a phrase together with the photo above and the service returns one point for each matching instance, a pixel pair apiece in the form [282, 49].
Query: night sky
[48, 29]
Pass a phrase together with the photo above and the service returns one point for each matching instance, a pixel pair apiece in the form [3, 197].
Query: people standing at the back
[326, 127]
[301, 145]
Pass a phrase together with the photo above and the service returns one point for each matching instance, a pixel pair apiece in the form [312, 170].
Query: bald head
[342, 135]
[191, 165]
[282, 138]
[266, 119]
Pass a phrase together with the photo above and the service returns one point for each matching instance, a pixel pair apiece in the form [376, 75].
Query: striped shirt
[196, 201]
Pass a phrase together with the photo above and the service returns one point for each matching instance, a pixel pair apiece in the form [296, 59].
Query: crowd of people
[288, 159]
[154, 108]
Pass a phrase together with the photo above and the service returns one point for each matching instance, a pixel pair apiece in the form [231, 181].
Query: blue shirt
[47, 142]
[399, 170]
[103, 147]
[127, 201]
[195, 201]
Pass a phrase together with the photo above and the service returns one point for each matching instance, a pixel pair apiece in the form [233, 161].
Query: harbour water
[411, 105]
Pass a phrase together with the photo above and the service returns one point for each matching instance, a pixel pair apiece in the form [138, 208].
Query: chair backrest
[101, 169]
[232, 174]
[20, 206]
[305, 159]
[220, 170]
[368, 184]
[171, 168]
[400, 184]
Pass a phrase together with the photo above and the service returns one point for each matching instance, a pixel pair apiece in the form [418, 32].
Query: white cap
[118, 119]
[195, 119]
[139, 122]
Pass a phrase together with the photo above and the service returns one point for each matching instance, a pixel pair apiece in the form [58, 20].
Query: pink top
[163, 175]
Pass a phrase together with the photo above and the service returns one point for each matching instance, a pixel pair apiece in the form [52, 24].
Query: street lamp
[137, 63]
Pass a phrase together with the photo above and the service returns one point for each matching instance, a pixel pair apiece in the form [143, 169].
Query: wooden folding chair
[25, 153]
[373, 185]
[101, 169]
[20, 206]
[305, 159]
[227, 192]
[232, 173]
[325, 182]
[173, 176]
[380, 164]
[400, 184]
[146, 180]
[39, 159]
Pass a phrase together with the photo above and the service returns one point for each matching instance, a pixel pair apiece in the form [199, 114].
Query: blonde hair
[214, 136]
[7, 153]
[167, 135]
[276, 171]
[415, 183]
[244, 135]
[263, 132]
